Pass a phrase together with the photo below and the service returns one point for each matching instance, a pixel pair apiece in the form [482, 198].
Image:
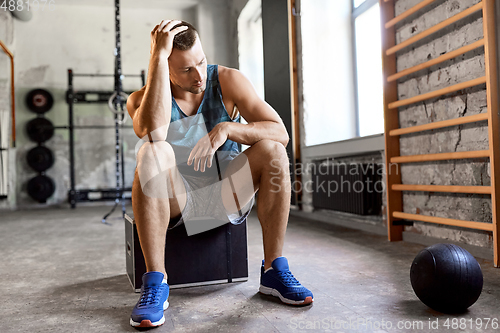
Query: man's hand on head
[162, 37]
[204, 150]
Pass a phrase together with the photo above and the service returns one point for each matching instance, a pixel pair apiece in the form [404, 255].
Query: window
[251, 45]
[358, 3]
[327, 62]
[251, 48]
[342, 70]
[369, 80]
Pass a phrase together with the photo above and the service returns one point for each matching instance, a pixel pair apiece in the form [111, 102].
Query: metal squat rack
[86, 96]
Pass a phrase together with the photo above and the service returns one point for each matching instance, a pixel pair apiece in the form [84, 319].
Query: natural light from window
[369, 72]
[328, 81]
[251, 48]
[358, 3]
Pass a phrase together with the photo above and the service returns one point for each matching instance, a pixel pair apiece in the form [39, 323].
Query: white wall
[7, 37]
[83, 38]
[213, 26]
[52, 42]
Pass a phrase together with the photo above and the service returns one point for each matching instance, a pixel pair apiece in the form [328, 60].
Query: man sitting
[182, 97]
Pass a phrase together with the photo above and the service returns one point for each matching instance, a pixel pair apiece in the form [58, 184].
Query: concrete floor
[64, 271]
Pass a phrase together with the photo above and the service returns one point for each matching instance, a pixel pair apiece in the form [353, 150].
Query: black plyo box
[219, 255]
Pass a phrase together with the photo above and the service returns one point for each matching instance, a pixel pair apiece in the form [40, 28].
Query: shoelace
[150, 296]
[288, 278]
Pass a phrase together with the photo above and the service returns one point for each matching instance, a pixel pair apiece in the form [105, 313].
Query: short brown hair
[185, 40]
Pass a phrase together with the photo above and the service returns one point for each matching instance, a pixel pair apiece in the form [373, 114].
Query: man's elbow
[139, 130]
[285, 141]
[146, 133]
[285, 137]
[141, 133]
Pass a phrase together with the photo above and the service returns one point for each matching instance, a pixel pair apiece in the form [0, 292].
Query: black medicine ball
[446, 278]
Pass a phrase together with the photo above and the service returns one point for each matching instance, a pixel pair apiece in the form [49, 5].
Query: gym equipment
[392, 105]
[40, 129]
[98, 97]
[25, 14]
[446, 278]
[119, 107]
[40, 188]
[39, 101]
[218, 255]
[195, 254]
[116, 100]
[122, 99]
[112, 102]
[40, 158]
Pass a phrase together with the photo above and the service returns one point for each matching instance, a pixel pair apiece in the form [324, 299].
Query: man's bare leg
[155, 203]
[269, 166]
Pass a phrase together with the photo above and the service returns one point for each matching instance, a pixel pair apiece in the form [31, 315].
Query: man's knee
[158, 155]
[271, 147]
[273, 152]
[155, 162]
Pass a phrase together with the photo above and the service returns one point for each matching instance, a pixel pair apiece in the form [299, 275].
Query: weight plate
[40, 129]
[40, 188]
[40, 158]
[25, 14]
[39, 101]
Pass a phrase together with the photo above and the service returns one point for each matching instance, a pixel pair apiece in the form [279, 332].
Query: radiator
[352, 188]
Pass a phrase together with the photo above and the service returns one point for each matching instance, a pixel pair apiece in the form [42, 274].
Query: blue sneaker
[279, 281]
[148, 312]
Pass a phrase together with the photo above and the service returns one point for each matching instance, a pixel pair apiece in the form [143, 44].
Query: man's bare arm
[150, 107]
[263, 121]
[251, 133]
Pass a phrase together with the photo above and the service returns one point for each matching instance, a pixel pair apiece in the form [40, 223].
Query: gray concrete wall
[235, 8]
[52, 42]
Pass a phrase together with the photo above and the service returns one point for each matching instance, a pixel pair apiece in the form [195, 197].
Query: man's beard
[193, 89]
[196, 90]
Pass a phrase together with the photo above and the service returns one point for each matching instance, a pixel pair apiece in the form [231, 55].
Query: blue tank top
[185, 131]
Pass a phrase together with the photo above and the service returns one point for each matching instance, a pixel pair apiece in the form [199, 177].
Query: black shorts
[204, 199]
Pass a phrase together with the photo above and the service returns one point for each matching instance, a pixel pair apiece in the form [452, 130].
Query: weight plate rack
[40, 158]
